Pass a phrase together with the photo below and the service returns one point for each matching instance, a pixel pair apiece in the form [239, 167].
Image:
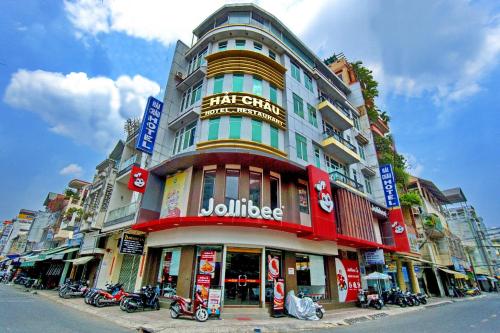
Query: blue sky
[72, 71]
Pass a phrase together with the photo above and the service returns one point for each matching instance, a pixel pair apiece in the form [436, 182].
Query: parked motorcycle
[147, 298]
[186, 307]
[104, 298]
[75, 289]
[412, 298]
[93, 293]
[365, 300]
[422, 298]
[395, 297]
[319, 308]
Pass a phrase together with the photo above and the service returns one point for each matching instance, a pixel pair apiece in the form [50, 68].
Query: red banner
[398, 227]
[207, 262]
[138, 179]
[279, 295]
[322, 210]
[203, 285]
[348, 279]
[273, 267]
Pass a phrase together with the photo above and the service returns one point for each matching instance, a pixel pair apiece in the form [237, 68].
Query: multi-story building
[261, 169]
[17, 236]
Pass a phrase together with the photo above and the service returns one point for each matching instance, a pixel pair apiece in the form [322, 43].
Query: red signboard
[398, 227]
[138, 179]
[322, 210]
[279, 295]
[207, 262]
[348, 279]
[203, 285]
[273, 267]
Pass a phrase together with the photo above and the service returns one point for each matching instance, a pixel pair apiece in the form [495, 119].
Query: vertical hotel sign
[149, 127]
[395, 213]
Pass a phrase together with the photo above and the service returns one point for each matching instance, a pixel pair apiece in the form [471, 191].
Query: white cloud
[71, 169]
[415, 168]
[166, 22]
[90, 111]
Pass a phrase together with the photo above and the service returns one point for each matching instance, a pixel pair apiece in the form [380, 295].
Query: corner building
[256, 149]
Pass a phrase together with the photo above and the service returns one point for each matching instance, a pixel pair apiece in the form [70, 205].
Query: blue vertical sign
[389, 186]
[149, 127]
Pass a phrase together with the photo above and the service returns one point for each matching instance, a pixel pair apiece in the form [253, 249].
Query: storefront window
[255, 188]
[274, 270]
[169, 271]
[311, 277]
[303, 199]
[208, 187]
[232, 185]
[275, 192]
[208, 269]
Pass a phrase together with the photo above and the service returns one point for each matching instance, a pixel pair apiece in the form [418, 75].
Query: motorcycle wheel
[423, 301]
[99, 302]
[201, 315]
[66, 294]
[377, 305]
[401, 303]
[319, 313]
[417, 302]
[156, 305]
[130, 306]
[175, 310]
[123, 304]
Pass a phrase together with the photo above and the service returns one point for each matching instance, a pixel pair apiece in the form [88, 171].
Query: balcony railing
[331, 134]
[339, 106]
[340, 177]
[125, 164]
[122, 212]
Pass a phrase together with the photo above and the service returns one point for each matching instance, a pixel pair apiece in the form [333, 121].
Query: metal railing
[121, 212]
[339, 106]
[331, 134]
[127, 163]
[340, 177]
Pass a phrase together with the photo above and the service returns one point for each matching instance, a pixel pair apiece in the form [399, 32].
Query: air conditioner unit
[178, 75]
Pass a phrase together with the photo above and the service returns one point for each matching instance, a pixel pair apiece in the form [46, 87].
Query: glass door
[242, 280]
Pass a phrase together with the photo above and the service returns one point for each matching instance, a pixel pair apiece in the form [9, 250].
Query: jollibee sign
[242, 208]
[322, 207]
[138, 179]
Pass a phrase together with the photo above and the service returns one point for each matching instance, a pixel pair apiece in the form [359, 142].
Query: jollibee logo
[398, 228]
[138, 180]
[324, 198]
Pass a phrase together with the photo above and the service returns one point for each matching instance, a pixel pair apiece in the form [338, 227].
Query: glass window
[272, 55]
[257, 86]
[255, 188]
[273, 94]
[218, 84]
[169, 271]
[303, 199]
[332, 165]
[295, 72]
[234, 127]
[313, 120]
[311, 275]
[308, 82]
[301, 143]
[213, 128]
[222, 45]
[356, 123]
[298, 106]
[275, 192]
[256, 130]
[239, 17]
[240, 44]
[257, 46]
[317, 156]
[208, 187]
[196, 93]
[232, 186]
[188, 135]
[238, 82]
[362, 151]
[368, 186]
[274, 137]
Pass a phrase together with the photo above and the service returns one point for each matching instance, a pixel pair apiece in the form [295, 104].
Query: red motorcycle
[110, 298]
[184, 307]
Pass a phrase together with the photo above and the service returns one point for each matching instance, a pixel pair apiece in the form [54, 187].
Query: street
[21, 312]
[481, 315]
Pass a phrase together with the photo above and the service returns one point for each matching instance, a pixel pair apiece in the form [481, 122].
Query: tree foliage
[410, 198]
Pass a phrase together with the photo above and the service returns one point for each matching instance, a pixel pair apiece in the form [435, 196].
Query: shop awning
[481, 278]
[80, 261]
[457, 275]
[420, 260]
[60, 254]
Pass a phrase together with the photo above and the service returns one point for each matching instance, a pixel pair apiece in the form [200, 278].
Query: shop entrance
[242, 281]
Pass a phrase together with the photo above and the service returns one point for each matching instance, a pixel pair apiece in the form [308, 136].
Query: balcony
[197, 75]
[338, 177]
[361, 137]
[334, 114]
[368, 171]
[433, 226]
[337, 146]
[325, 84]
[126, 165]
[380, 127]
[121, 214]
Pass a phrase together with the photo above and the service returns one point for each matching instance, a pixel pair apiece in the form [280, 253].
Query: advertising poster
[348, 279]
[132, 244]
[138, 179]
[375, 257]
[207, 262]
[273, 267]
[214, 301]
[203, 285]
[279, 295]
[173, 195]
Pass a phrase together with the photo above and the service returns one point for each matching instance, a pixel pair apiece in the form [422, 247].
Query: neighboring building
[261, 158]
[15, 242]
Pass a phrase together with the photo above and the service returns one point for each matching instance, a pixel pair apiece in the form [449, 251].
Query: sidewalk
[237, 320]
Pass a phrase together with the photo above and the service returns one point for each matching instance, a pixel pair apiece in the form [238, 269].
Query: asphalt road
[21, 312]
[479, 315]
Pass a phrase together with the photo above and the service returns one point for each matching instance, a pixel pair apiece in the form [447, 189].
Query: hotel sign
[389, 186]
[241, 104]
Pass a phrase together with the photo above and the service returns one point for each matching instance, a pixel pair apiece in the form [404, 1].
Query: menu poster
[273, 268]
[132, 244]
[203, 285]
[214, 301]
[207, 262]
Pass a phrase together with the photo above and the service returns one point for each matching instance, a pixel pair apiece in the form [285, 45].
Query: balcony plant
[410, 198]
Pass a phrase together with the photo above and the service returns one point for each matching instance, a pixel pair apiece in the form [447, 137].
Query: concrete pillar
[65, 269]
[439, 282]
[399, 274]
[332, 279]
[185, 277]
[413, 277]
[290, 279]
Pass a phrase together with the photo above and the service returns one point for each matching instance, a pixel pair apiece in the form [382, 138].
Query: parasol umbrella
[377, 276]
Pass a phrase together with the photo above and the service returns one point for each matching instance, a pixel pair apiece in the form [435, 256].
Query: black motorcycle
[395, 297]
[147, 298]
[422, 298]
[74, 289]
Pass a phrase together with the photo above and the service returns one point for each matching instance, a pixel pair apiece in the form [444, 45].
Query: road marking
[472, 326]
[493, 315]
[484, 320]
